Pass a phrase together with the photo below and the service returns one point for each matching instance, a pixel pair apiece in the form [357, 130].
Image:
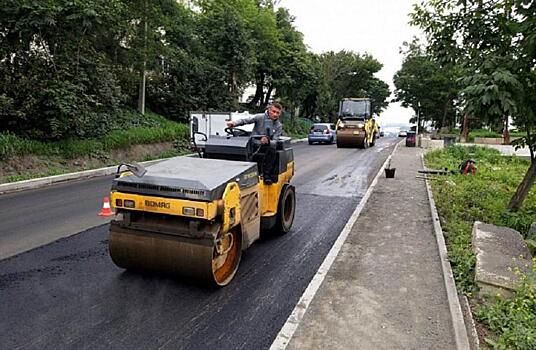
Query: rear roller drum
[286, 210]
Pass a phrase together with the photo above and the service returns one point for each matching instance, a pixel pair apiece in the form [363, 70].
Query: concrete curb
[86, 174]
[459, 327]
[46, 181]
[296, 316]
[469, 323]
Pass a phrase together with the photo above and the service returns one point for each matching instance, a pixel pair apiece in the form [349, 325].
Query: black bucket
[390, 173]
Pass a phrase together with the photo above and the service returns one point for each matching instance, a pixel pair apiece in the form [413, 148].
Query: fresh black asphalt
[69, 294]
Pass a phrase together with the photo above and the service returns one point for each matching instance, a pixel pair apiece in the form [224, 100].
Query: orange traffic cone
[106, 210]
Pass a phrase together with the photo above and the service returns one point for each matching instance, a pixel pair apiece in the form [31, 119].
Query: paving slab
[500, 252]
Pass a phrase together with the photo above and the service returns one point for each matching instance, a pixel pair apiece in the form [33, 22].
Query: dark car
[322, 133]
[411, 139]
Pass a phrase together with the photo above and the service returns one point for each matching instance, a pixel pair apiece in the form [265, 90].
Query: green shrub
[296, 127]
[12, 145]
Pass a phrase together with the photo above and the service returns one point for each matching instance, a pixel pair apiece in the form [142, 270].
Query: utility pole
[141, 96]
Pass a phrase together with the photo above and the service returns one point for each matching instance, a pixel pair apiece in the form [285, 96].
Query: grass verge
[154, 129]
[460, 201]
[132, 137]
[485, 134]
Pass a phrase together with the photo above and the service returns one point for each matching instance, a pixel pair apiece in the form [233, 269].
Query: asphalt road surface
[69, 294]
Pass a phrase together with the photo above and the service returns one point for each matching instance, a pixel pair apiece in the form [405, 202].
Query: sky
[378, 27]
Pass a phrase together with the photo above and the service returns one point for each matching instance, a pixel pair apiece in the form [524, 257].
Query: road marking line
[293, 321]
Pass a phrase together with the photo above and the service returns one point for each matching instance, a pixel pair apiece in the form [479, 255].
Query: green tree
[427, 87]
[347, 74]
[267, 48]
[187, 78]
[492, 44]
[58, 80]
[226, 28]
[292, 76]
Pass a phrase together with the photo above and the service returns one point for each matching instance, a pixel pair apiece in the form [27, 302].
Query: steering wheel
[235, 132]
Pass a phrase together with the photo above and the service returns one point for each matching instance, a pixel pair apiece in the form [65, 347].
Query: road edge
[50, 180]
[458, 323]
[86, 174]
[293, 321]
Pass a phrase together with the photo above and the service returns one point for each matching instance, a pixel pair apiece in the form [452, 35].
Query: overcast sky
[378, 27]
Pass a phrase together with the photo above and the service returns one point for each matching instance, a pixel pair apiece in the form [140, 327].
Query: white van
[203, 125]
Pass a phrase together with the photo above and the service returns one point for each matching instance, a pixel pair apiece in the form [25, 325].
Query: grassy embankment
[461, 200]
[58, 157]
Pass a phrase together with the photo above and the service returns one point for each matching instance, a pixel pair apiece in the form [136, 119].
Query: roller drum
[194, 259]
[349, 140]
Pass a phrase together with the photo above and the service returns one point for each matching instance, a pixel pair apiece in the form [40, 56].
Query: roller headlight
[188, 211]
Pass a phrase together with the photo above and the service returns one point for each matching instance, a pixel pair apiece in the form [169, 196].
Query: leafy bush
[12, 145]
[295, 127]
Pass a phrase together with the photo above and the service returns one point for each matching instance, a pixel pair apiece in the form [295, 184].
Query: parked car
[411, 139]
[322, 133]
[402, 133]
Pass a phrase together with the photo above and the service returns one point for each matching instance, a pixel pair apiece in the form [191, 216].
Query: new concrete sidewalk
[385, 289]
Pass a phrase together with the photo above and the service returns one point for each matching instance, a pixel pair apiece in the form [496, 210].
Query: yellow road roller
[355, 127]
[193, 216]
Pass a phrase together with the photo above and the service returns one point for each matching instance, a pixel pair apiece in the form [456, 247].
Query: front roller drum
[350, 141]
[201, 260]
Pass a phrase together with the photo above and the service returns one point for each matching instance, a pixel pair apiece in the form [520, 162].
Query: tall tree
[347, 74]
[226, 29]
[58, 80]
[427, 87]
[293, 75]
[492, 42]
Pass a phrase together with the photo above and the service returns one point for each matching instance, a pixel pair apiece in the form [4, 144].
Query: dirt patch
[34, 166]
[483, 334]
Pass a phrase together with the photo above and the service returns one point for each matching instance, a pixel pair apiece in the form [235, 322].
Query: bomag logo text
[250, 175]
[154, 204]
